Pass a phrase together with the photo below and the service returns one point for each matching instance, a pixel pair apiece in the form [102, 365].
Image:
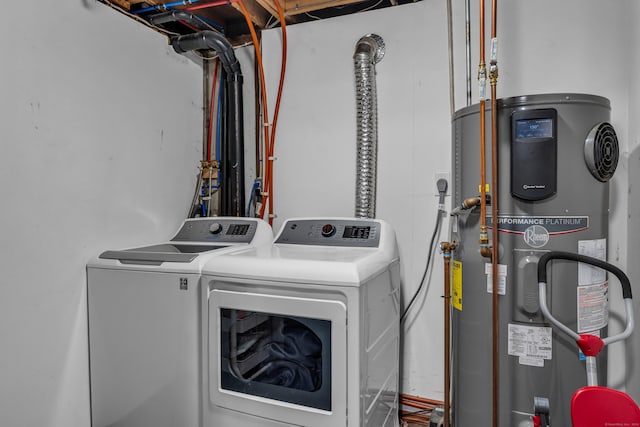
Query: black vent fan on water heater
[601, 151]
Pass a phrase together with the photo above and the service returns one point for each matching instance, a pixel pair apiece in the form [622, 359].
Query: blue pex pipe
[164, 6]
[256, 184]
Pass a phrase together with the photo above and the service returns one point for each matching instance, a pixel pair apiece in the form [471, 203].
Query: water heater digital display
[534, 148]
[534, 128]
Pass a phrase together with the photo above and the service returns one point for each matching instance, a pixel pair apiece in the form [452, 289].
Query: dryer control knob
[215, 228]
[328, 230]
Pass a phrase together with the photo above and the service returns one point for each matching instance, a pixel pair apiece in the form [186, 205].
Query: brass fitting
[482, 71]
[485, 248]
[493, 74]
[448, 247]
[209, 169]
[206, 164]
[485, 251]
[471, 202]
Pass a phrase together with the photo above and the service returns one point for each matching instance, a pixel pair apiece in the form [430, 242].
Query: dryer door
[278, 357]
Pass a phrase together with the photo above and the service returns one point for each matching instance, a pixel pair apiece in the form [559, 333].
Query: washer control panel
[224, 230]
[331, 232]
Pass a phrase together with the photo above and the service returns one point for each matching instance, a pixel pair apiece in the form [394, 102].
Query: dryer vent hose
[369, 51]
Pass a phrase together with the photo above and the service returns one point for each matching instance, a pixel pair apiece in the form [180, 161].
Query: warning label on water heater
[456, 297]
[593, 312]
[531, 344]
[593, 288]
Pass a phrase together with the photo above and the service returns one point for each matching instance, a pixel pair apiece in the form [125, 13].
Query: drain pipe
[369, 51]
[232, 162]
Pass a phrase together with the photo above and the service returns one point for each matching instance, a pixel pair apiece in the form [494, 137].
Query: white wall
[545, 46]
[100, 137]
[632, 360]
[315, 147]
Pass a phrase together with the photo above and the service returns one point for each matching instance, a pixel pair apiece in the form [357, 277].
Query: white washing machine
[304, 332]
[144, 324]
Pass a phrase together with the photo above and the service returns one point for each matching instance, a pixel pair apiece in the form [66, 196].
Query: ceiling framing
[226, 15]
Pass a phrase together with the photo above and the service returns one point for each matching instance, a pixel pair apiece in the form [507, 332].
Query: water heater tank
[556, 154]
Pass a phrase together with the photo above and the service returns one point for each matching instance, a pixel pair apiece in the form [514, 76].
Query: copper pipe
[421, 399]
[416, 419]
[482, 77]
[447, 248]
[494, 251]
[471, 202]
[493, 79]
[422, 406]
[481, 31]
[494, 18]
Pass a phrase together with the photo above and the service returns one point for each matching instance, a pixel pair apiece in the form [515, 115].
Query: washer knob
[215, 228]
[328, 230]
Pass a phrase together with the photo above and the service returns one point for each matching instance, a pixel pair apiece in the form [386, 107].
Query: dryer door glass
[281, 357]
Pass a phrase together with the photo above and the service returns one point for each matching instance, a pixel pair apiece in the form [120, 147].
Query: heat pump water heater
[556, 154]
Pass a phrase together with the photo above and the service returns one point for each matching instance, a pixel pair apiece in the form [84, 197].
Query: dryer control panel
[331, 232]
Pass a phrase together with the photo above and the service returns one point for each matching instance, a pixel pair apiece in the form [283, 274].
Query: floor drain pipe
[369, 51]
[232, 162]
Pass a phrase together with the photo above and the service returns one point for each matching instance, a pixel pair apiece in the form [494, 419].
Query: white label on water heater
[593, 311]
[531, 344]
[592, 294]
[502, 278]
[588, 274]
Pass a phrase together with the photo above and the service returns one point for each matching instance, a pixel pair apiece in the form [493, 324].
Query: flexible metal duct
[369, 51]
[233, 188]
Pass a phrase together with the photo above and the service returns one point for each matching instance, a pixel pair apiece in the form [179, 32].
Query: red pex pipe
[210, 4]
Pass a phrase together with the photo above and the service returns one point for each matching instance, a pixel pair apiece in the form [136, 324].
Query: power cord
[441, 185]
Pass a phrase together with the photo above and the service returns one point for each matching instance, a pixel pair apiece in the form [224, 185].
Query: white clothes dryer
[304, 332]
[144, 324]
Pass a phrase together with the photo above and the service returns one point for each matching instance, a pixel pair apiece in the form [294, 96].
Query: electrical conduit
[369, 51]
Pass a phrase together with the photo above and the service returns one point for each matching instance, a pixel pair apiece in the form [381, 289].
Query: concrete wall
[99, 141]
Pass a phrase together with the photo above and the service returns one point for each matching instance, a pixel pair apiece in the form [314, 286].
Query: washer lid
[158, 254]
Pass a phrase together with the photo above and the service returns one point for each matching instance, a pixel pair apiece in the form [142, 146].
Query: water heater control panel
[534, 148]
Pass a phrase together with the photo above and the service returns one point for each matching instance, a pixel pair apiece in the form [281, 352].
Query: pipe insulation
[232, 162]
[369, 51]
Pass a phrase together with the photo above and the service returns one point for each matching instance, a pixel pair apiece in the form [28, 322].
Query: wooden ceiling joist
[294, 7]
[125, 4]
